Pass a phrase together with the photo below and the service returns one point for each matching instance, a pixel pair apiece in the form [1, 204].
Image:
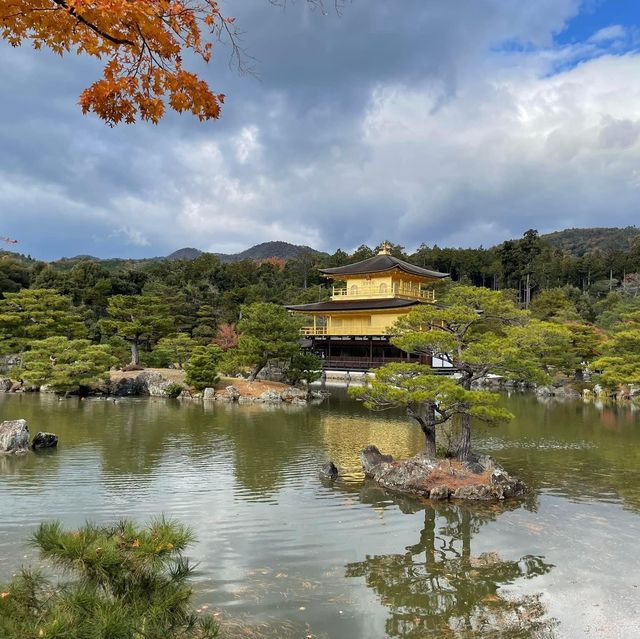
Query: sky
[457, 123]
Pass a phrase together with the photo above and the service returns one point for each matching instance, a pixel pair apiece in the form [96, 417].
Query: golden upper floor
[371, 296]
[381, 288]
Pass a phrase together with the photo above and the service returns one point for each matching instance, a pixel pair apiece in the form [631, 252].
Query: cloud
[606, 34]
[131, 236]
[457, 123]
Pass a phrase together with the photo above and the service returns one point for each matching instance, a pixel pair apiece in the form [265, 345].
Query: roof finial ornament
[385, 248]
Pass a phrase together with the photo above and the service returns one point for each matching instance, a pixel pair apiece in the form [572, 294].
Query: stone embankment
[232, 393]
[480, 479]
[241, 391]
[14, 438]
[567, 390]
[171, 383]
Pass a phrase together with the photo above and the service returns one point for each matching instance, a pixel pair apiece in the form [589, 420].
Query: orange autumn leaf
[142, 44]
[135, 543]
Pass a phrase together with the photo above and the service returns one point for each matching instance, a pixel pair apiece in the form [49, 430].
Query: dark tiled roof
[379, 264]
[355, 305]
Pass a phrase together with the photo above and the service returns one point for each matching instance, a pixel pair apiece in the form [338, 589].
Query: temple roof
[355, 305]
[379, 264]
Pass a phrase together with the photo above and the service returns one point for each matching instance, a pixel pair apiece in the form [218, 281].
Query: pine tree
[478, 331]
[127, 582]
[137, 318]
[305, 367]
[429, 399]
[175, 349]
[36, 314]
[66, 365]
[267, 331]
[620, 360]
[202, 367]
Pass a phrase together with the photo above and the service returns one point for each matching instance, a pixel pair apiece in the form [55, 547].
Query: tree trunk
[135, 357]
[464, 445]
[254, 372]
[425, 416]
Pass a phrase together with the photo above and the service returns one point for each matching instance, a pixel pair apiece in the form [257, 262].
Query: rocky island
[480, 478]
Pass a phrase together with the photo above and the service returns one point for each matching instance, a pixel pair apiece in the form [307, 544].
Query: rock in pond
[371, 457]
[14, 437]
[209, 393]
[5, 384]
[44, 440]
[232, 393]
[329, 471]
[478, 479]
[290, 394]
[270, 397]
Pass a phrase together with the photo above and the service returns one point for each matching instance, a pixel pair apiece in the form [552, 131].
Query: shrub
[202, 367]
[173, 390]
[304, 367]
[127, 582]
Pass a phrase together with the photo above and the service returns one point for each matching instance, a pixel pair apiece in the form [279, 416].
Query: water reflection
[439, 588]
[268, 444]
[274, 543]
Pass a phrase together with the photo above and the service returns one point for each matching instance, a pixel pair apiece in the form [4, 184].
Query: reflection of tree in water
[438, 588]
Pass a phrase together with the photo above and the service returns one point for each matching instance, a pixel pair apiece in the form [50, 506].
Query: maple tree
[143, 44]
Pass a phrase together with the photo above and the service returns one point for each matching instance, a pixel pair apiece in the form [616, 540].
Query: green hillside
[581, 241]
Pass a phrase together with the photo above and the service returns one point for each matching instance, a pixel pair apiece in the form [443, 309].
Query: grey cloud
[449, 160]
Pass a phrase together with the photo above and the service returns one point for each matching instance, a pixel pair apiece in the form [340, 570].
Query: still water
[282, 555]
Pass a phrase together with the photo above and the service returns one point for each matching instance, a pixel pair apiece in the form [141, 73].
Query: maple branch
[95, 28]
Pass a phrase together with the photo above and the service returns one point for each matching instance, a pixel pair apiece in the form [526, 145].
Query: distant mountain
[283, 250]
[262, 251]
[581, 241]
[185, 254]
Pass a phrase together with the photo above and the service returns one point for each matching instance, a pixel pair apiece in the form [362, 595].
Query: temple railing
[351, 329]
[398, 289]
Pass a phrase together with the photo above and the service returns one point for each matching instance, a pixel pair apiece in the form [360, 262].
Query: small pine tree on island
[430, 400]
[478, 332]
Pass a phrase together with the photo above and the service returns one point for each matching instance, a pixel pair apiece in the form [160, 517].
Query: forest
[155, 312]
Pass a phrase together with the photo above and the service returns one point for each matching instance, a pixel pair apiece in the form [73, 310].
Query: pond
[282, 555]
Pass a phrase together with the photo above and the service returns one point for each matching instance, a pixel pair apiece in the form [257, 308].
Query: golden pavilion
[352, 330]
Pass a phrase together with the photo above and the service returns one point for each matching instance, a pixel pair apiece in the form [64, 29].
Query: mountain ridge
[574, 241]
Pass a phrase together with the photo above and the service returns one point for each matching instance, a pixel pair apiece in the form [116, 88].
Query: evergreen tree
[137, 318]
[304, 367]
[429, 399]
[66, 365]
[478, 332]
[14, 275]
[553, 305]
[175, 349]
[620, 361]
[127, 583]
[267, 331]
[36, 314]
[202, 367]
